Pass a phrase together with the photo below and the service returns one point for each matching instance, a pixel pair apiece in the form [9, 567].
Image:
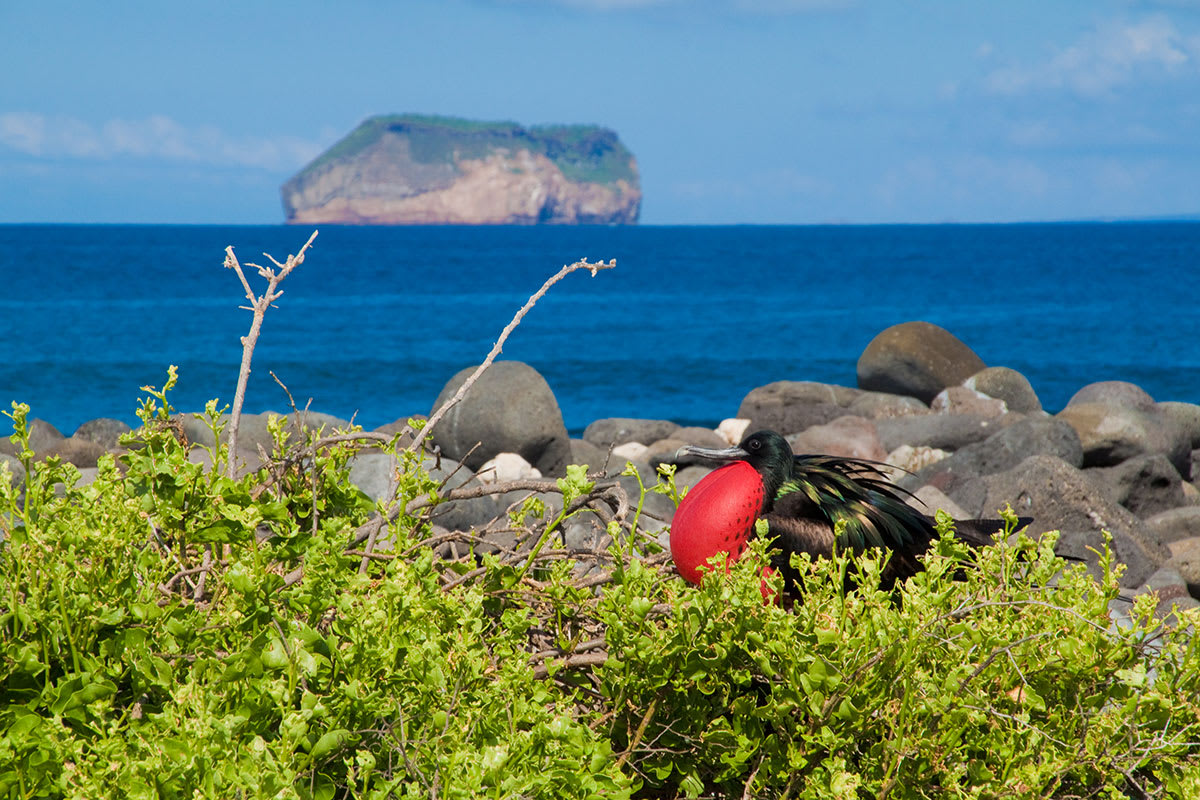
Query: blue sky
[739, 111]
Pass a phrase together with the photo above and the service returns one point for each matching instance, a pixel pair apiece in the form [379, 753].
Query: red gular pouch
[716, 516]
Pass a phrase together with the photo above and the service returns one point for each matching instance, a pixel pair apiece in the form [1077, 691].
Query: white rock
[631, 451]
[733, 430]
[914, 459]
[506, 467]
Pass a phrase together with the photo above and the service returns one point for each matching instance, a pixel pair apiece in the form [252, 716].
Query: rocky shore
[963, 437]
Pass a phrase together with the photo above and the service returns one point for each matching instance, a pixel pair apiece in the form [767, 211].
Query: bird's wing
[855, 491]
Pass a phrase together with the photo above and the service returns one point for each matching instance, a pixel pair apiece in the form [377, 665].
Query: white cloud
[156, 137]
[1110, 56]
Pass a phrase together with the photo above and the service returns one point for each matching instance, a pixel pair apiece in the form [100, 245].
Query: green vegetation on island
[584, 153]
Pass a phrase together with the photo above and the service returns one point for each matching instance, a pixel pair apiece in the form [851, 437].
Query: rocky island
[419, 170]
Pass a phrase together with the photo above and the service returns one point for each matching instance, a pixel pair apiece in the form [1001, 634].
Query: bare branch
[499, 346]
[259, 307]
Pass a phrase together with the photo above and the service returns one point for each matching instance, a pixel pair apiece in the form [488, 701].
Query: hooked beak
[728, 454]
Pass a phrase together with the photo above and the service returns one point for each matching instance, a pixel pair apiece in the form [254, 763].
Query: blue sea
[377, 319]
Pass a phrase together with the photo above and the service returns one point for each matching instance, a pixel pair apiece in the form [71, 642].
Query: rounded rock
[1004, 383]
[791, 406]
[509, 409]
[104, 431]
[1186, 416]
[1113, 393]
[1111, 434]
[964, 400]
[1174, 524]
[917, 359]
[621, 430]
[847, 437]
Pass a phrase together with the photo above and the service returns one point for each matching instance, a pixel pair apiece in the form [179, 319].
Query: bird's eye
[755, 444]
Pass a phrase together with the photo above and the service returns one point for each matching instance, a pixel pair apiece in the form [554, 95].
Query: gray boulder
[398, 425]
[1145, 485]
[848, 437]
[1008, 385]
[373, 474]
[1186, 416]
[1113, 393]
[15, 468]
[883, 405]
[253, 431]
[584, 452]
[1185, 559]
[42, 436]
[1060, 497]
[917, 359]
[1173, 525]
[620, 430]
[1171, 588]
[1111, 434]
[80, 452]
[1001, 451]
[104, 431]
[664, 450]
[510, 409]
[942, 431]
[791, 406]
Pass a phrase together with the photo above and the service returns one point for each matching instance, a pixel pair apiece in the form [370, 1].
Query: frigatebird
[802, 498]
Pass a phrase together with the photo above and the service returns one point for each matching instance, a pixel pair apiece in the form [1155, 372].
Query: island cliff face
[409, 169]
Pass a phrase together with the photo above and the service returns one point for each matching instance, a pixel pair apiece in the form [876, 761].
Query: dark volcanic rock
[80, 452]
[1001, 451]
[664, 450]
[1060, 497]
[373, 474]
[791, 406]
[392, 428]
[1173, 525]
[15, 468]
[943, 431]
[103, 431]
[1171, 588]
[1145, 485]
[1008, 385]
[584, 452]
[510, 409]
[1186, 559]
[620, 430]
[916, 358]
[1186, 416]
[42, 436]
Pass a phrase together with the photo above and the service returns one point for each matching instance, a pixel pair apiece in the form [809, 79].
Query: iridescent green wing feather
[856, 491]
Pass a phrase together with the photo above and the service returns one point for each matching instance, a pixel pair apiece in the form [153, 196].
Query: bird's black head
[766, 451]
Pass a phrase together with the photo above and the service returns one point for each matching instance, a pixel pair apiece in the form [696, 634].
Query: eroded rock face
[433, 170]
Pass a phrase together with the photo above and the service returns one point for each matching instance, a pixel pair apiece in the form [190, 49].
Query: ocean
[377, 319]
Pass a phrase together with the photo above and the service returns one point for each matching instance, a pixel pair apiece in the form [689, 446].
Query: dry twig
[258, 306]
